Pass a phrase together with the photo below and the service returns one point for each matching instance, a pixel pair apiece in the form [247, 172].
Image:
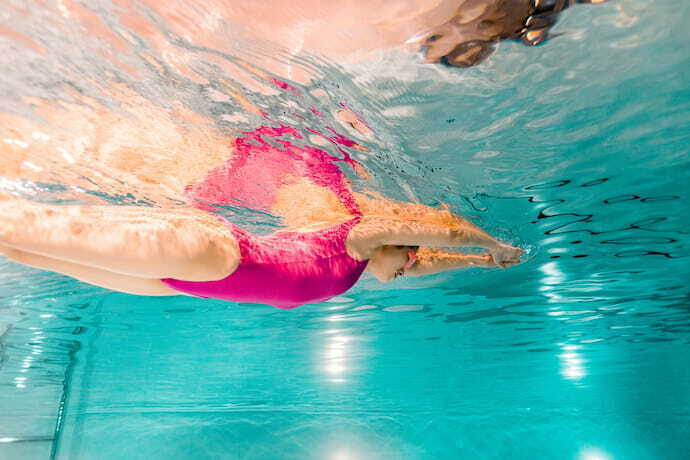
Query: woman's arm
[96, 276]
[431, 220]
[372, 203]
[373, 232]
[145, 242]
[430, 261]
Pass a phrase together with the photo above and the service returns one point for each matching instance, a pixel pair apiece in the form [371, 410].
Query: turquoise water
[577, 150]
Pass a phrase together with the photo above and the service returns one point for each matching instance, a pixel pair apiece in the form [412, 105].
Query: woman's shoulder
[324, 226]
[367, 234]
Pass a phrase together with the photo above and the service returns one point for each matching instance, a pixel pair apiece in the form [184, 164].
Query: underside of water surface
[577, 150]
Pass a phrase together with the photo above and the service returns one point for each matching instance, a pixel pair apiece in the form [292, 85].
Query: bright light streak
[594, 453]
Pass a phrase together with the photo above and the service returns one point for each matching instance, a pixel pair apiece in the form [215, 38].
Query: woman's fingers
[511, 262]
[506, 254]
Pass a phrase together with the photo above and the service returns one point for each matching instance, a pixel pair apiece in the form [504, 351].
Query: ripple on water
[403, 308]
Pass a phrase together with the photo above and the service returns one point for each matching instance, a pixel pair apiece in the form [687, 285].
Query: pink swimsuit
[284, 269]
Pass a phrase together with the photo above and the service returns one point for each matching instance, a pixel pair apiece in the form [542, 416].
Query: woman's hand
[504, 255]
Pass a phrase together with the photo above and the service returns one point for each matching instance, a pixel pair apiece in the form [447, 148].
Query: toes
[541, 21]
[468, 54]
[544, 16]
[555, 6]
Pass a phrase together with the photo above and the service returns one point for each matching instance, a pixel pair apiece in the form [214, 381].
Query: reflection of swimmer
[470, 35]
[332, 234]
[456, 32]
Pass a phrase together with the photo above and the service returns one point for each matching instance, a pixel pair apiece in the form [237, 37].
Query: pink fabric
[263, 161]
[284, 269]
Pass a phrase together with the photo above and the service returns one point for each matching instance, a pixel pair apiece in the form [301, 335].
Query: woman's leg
[95, 276]
[142, 242]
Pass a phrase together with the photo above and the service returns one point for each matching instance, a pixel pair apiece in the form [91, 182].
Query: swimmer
[158, 252]
[332, 234]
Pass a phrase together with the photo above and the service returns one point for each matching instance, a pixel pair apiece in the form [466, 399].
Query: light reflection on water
[577, 150]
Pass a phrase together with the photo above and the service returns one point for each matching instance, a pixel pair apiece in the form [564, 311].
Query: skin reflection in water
[172, 35]
[147, 150]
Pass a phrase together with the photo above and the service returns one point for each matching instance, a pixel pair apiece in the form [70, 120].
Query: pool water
[577, 150]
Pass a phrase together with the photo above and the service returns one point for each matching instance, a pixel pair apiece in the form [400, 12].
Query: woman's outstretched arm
[373, 232]
[144, 242]
[435, 219]
[430, 261]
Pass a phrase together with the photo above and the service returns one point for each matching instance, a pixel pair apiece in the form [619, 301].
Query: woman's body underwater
[130, 249]
[153, 251]
[332, 234]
